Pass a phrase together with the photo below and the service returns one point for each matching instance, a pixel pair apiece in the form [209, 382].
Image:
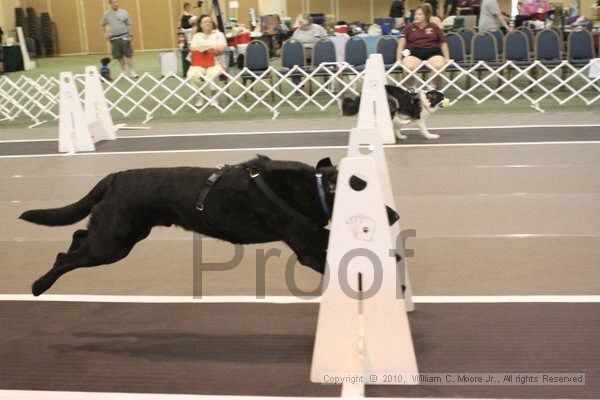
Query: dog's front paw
[401, 136]
[432, 136]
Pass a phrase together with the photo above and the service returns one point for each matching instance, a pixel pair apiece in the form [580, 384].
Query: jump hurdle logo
[362, 226]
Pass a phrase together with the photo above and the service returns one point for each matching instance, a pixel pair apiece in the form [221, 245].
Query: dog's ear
[325, 162]
[263, 157]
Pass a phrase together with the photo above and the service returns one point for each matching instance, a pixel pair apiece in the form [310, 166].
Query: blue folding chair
[356, 53]
[457, 48]
[467, 35]
[323, 52]
[293, 58]
[529, 33]
[547, 47]
[580, 47]
[292, 55]
[387, 46]
[499, 41]
[484, 48]
[516, 48]
[257, 61]
[456, 45]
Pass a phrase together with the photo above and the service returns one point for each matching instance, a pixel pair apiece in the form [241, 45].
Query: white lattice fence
[298, 89]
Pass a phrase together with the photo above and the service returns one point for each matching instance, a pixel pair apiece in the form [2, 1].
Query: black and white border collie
[405, 107]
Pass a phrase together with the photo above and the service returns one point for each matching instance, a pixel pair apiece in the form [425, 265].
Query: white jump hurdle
[80, 127]
[374, 111]
[363, 328]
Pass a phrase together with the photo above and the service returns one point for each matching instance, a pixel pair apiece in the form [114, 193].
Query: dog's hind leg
[103, 243]
[78, 238]
[87, 255]
[424, 131]
[65, 262]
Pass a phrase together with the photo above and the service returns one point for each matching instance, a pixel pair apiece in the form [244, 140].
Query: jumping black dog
[261, 200]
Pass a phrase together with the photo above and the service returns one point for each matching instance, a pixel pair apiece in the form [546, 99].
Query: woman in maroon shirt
[423, 41]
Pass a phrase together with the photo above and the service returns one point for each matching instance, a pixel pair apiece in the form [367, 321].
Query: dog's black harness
[278, 201]
[210, 182]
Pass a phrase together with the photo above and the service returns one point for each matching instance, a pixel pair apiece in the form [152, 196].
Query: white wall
[7, 16]
[272, 7]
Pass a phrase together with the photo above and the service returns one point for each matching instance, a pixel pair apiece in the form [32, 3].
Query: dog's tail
[72, 213]
[350, 106]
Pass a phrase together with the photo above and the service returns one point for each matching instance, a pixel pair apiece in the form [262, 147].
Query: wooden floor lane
[489, 213]
[258, 349]
[308, 140]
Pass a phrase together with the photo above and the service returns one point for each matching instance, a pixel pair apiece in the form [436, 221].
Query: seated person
[424, 41]
[205, 48]
[308, 34]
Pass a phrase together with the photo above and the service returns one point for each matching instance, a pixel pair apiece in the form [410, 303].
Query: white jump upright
[374, 112]
[80, 127]
[97, 115]
[369, 137]
[27, 63]
[374, 109]
[73, 131]
[363, 328]
[363, 334]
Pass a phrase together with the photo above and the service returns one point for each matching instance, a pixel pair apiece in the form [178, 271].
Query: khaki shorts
[121, 48]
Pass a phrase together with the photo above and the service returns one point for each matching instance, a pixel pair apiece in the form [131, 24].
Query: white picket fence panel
[36, 99]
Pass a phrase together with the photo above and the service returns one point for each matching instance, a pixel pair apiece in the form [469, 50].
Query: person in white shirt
[308, 34]
[205, 48]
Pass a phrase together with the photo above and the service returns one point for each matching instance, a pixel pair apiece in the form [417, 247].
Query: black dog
[105, 69]
[258, 201]
[405, 107]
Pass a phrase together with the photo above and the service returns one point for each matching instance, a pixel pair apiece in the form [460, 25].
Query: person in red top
[423, 41]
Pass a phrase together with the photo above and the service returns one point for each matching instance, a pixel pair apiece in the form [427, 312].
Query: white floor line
[181, 236]
[51, 395]
[255, 149]
[442, 128]
[53, 139]
[293, 299]
[55, 395]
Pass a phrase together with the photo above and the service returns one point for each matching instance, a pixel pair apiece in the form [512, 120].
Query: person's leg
[117, 54]
[122, 65]
[129, 62]
[195, 75]
[412, 63]
[128, 55]
[212, 74]
[436, 62]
